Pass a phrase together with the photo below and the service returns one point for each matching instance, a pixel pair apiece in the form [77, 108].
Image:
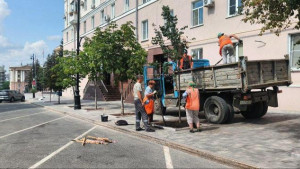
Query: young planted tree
[275, 15]
[122, 54]
[170, 33]
[91, 60]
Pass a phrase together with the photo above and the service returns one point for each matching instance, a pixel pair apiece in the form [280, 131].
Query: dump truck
[247, 87]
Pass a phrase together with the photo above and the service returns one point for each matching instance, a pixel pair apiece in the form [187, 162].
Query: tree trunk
[50, 94]
[122, 101]
[179, 95]
[95, 82]
[58, 99]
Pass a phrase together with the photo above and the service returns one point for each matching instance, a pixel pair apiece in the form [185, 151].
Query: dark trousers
[140, 113]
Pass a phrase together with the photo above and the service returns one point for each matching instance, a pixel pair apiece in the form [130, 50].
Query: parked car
[11, 95]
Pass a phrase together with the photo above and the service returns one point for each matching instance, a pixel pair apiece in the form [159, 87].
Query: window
[112, 10]
[102, 17]
[197, 13]
[93, 22]
[145, 1]
[67, 36]
[72, 34]
[197, 53]
[234, 7]
[93, 3]
[295, 51]
[126, 7]
[85, 5]
[84, 27]
[145, 30]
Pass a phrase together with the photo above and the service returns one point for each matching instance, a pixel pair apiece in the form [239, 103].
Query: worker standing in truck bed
[226, 47]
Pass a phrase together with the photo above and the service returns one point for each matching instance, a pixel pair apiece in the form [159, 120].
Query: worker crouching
[192, 106]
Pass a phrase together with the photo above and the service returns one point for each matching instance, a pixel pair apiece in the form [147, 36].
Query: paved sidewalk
[270, 142]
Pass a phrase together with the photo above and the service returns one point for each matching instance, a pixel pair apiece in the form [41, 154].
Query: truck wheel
[23, 99]
[256, 110]
[216, 110]
[230, 114]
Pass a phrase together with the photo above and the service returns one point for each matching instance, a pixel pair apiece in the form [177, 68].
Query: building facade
[204, 22]
[19, 78]
[2, 75]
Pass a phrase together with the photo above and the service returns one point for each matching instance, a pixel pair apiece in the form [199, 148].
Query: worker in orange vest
[148, 100]
[186, 62]
[192, 106]
[226, 47]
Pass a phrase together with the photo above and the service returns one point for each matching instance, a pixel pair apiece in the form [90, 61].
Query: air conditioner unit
[209, 3]
[93, 6]
[107, 18]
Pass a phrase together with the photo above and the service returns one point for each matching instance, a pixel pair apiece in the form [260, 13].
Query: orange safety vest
[224, 40]
[182, 59]
[193, 99]
[149, 108]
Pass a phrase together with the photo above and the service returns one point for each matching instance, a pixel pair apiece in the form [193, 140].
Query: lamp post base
[77, 104]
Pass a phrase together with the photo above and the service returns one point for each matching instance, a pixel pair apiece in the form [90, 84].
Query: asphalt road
[33, 137]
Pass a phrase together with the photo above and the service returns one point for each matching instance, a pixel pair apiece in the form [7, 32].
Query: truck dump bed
[243, 75]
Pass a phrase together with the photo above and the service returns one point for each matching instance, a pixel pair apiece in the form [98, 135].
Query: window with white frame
[93, 22]
[84, 27]
[113, 10]
[145, 1]
[145, 30]
[67, 36]
[85, 5]
[197, 13]
[234, 7]
[295, 51]
[126, 7]
[197, 53]
[102, 17]
[93, 2]
[72, 34]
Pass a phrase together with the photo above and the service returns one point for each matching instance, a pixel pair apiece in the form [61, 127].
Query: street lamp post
[77, 104]
[33, 76]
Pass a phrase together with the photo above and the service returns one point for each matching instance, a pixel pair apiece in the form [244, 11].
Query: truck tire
[256, 110]
[12, 99]
[230, 114]
[216, 110]
[23, 99]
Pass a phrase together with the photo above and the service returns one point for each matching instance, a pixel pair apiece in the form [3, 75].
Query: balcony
[73, 18]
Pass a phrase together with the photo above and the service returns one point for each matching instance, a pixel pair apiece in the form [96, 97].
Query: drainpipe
[137, 20]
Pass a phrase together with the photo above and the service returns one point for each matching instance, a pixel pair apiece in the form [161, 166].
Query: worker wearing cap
[226, 47]
[149, 100]
[186, 62]
[192, 106]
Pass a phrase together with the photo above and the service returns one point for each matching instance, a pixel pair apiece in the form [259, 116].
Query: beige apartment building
[205, 19]
[19, 78]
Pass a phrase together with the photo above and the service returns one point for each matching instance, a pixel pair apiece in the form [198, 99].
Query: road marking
[22, 116]
[168, 159]
[59, 150]
[31, 127]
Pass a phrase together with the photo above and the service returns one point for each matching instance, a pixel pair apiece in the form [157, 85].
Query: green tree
[171, 33]
[5, 85]
[91, 60]
[115, 50]
[275, 15]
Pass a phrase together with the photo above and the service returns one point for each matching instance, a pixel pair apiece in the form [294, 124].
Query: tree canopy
[275, 15]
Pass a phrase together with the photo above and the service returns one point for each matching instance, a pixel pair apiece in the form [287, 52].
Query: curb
[177, 146]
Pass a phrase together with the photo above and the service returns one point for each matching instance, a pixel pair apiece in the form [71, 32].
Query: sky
[29, 27]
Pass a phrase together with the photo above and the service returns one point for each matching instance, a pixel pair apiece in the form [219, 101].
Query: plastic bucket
[104, 118]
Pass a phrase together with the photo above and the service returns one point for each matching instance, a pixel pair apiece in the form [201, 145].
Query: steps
[111, 94]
